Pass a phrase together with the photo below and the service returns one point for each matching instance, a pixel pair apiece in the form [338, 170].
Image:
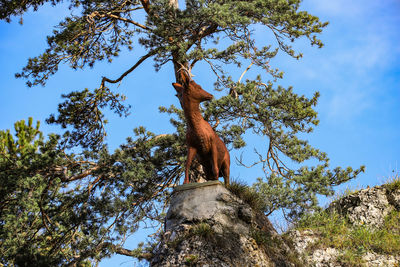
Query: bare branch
[128, 252]
[128, 20]
[81, 175]
[216, 123]
[113, 16]
[140, 61]
[244, 72]
[232, 91]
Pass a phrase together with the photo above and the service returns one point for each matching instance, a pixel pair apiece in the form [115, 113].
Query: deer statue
[201, 139]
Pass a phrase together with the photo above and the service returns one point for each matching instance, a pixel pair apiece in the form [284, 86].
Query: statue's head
[188, 90]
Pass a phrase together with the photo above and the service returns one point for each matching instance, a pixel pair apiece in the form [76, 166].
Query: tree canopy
[63, 207]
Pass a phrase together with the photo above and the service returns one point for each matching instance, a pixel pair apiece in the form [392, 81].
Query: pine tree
[58, 207]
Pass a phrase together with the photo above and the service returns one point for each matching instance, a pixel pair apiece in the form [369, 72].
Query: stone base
[195, 185]
[207, 225]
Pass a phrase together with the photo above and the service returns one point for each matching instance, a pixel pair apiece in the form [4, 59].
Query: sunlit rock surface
[207, 225]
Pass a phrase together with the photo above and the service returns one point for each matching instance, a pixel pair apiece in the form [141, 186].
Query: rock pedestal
[207, 225]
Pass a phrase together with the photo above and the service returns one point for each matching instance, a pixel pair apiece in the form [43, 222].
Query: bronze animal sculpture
[201, 139]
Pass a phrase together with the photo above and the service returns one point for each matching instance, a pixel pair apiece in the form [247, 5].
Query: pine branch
[140, 61]
[132, 253]
[113, 16]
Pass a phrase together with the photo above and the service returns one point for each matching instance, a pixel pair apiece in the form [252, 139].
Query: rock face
[207, 225]
[368, 206]
[365, 207]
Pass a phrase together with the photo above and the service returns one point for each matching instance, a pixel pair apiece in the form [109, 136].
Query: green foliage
[24, 187]
[251, 197]
[82, 111]
[191, 260]
[351, 259]
[393, 183]
[58, 208]
[65, 208]
[260, 237]
[336, 231]
[15, 8]
[276, 247]
[202, 229]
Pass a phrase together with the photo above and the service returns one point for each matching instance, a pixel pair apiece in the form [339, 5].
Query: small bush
[350, 259]
[191, 260]
[387, 239]
[260, 237]
[277, 248]
[247, 194]
[393, 183]
[202, 229]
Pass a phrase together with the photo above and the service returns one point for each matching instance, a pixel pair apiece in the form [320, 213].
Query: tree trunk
[174, 3]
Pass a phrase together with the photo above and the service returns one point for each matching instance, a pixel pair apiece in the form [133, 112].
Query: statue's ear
[178, 87]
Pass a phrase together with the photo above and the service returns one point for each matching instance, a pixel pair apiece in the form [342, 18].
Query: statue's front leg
[190, 156]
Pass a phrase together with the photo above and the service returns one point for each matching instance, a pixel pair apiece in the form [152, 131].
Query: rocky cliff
[359, 229]
[207, 225]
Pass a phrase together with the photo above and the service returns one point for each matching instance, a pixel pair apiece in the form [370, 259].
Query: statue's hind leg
[225, 171]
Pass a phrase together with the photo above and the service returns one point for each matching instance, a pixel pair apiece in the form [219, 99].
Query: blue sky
[357, 74]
